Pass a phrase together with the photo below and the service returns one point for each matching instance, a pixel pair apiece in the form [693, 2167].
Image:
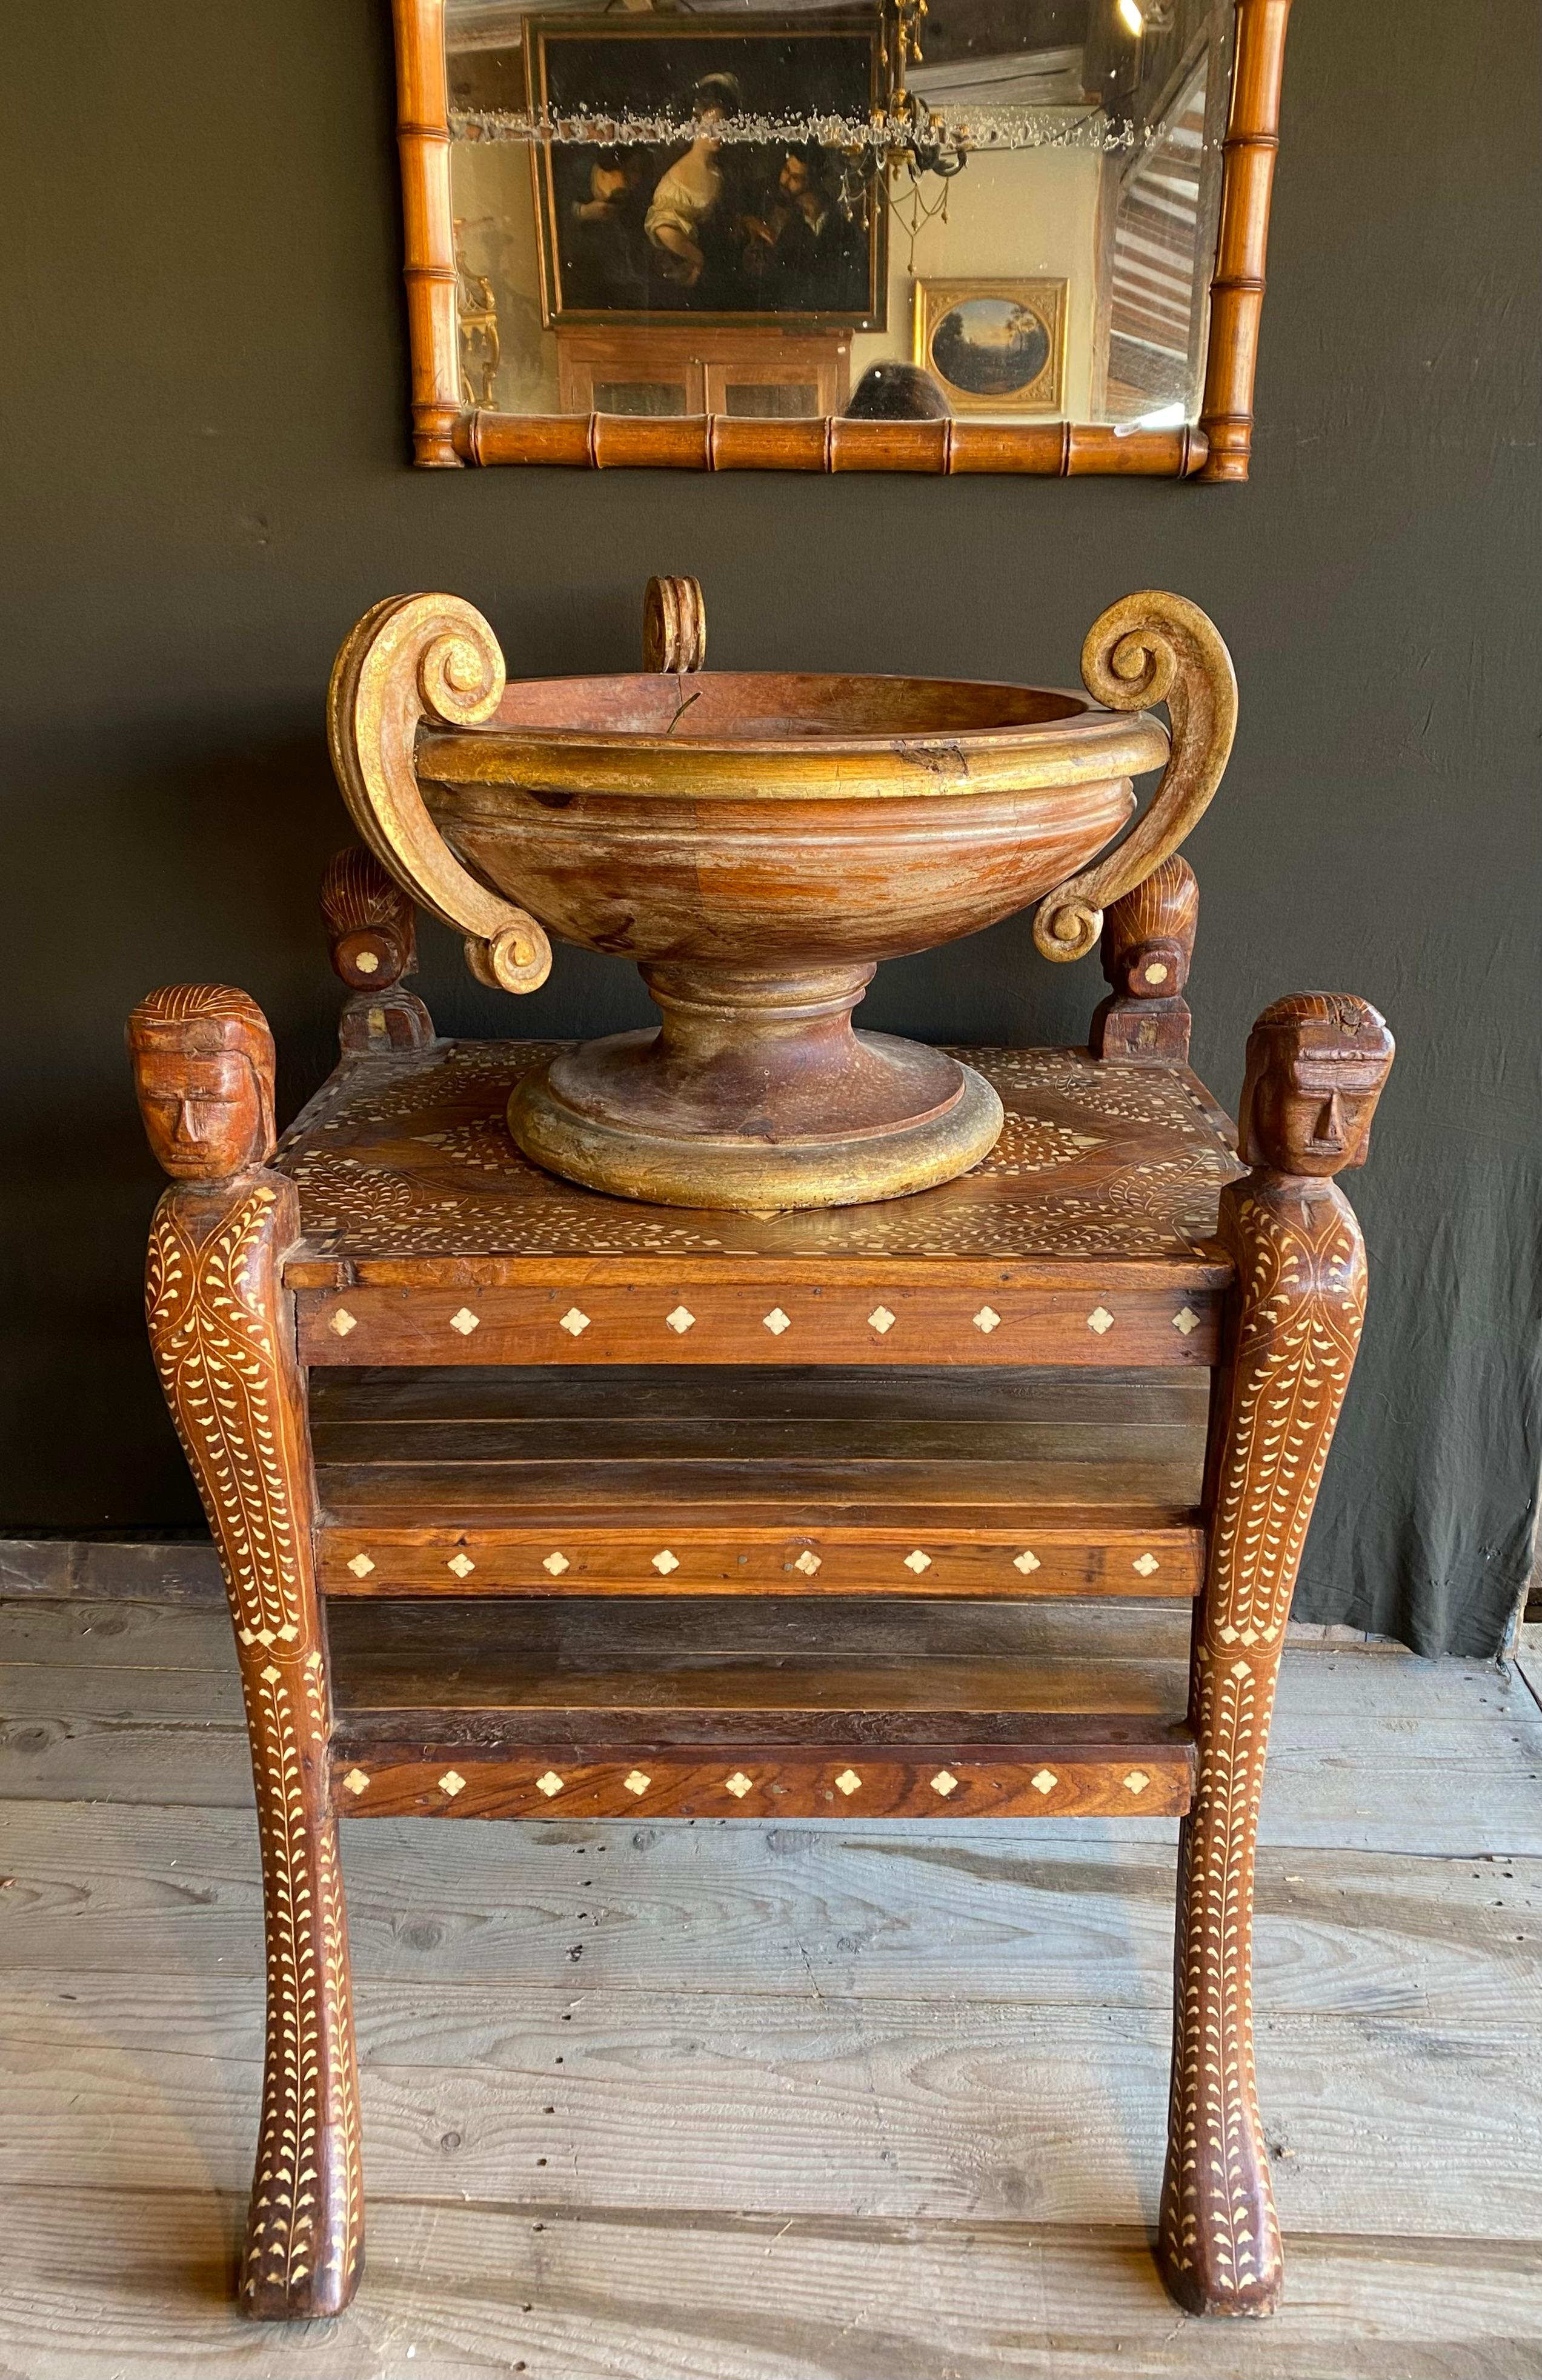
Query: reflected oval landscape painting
[990, 346]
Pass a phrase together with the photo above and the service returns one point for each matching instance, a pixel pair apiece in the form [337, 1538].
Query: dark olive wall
[206, 483]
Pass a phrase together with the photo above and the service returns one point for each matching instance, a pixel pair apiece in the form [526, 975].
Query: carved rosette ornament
[1315, 1066]
[223, 1346]
[1150, 648]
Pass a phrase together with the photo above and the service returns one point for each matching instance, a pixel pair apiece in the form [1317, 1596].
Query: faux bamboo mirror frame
[674, 235]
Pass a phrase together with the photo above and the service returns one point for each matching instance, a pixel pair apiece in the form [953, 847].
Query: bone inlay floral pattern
[452, 1304]
[1302, 1291]
[1093, 1156]
[213, 1302]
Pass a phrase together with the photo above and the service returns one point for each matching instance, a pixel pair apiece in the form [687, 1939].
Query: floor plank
[956, 2110]
[824, 2102]
[989, 1912]
[479, 2289]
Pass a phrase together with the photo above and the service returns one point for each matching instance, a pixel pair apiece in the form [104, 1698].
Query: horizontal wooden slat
[482, 1495]
[478, 1710]
[1109, 1319]
[767, 1551]
[1056, 1457]
[1082, 1403]
[492, 1482]
[711, 1654]
[1042, 1777]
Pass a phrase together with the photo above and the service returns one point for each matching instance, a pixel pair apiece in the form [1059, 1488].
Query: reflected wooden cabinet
[756, 374]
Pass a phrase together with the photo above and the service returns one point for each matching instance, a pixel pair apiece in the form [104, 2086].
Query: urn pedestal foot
[755, 1093]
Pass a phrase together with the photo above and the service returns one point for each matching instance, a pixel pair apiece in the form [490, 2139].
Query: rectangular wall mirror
[838, 234]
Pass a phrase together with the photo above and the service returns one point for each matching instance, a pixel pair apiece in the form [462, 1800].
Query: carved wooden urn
[758, 842]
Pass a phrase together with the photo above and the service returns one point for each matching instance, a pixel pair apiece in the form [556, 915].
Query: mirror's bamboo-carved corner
[1317, 1062]
[222, 1330]
[449, 433]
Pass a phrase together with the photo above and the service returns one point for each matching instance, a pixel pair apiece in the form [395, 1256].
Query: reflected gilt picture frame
[994, 345]
[577, 68]
[449, 433]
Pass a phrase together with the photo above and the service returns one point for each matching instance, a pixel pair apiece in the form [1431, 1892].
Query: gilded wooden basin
[757, 842]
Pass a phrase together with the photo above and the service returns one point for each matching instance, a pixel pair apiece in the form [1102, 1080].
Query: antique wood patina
[758, 842]
[1148, 950]
[560, 1449]
[1316, 1065]
[222, 1331]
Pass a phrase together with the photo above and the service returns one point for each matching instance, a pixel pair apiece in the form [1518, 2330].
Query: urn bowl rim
[802, 734]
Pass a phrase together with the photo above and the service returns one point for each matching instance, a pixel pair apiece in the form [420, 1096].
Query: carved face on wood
[203, 1071]
[1316, 1065]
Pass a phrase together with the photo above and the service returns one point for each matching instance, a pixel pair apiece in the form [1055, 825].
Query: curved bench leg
[223, 1338]
[1293, 1332]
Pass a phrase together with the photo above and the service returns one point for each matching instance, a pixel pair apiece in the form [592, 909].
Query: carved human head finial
[371, 924]
[1315, 1065]
[203, 1069]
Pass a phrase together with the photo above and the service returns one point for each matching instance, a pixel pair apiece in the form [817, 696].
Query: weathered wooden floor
[729, 2102]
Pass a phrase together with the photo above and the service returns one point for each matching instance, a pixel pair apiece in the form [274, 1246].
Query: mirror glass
[896, 209]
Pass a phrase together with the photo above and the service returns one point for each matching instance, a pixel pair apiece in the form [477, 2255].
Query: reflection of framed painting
[708, 169]
[996, 346]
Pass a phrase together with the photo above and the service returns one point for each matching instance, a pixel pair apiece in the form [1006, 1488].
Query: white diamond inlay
[1026, 1561]
[461, 1564]
[556, 1563]
[944, 1782]
[1136, 1781]
[465, 1322]
[343, 1322]
[452, 1782]
[1185, 1320]
[1044, 1781]
[807, 1562]
[271, 1676]
[1146, 1565]
[776, 1321]
[880, 1321]
[637, 1783]
[986, 1320]
[1100, 1319]
[918, 1561]
[574, 1321]
[1241, 1669]
[848, 1781]
[666, 1562]
[356, 1781]
[361, 1565]
[549, 1784]
[738, 1784]
[680, 1321]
